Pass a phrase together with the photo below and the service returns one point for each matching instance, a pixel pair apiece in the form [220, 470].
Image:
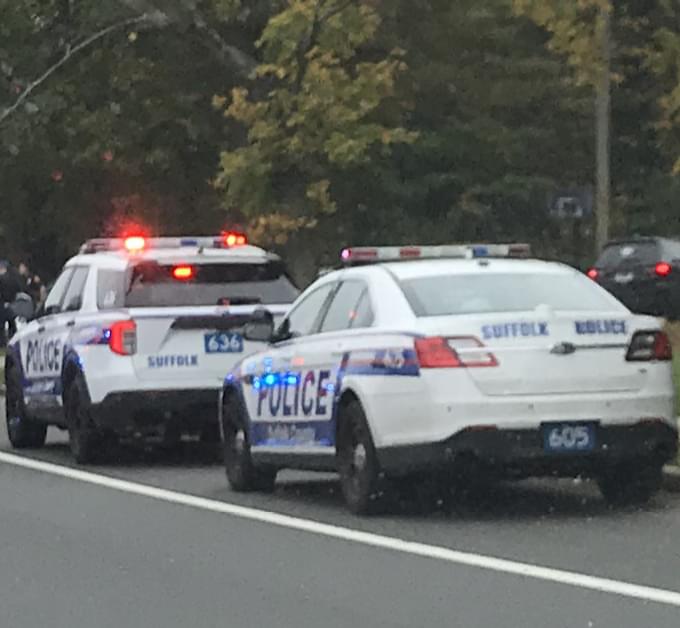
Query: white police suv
[410, 360]
[135, 339]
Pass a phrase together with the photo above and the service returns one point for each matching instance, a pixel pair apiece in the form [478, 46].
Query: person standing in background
[37, 290]
[10, 286]
[23, 276]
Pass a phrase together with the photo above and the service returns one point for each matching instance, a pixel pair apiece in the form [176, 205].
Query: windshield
[441, 295]
[628, 253]
[150, 284]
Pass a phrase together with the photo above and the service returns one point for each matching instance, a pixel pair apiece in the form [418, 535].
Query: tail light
[593, 273]
[183, 273]
[663, 269]
[648, 346]
[439, 352]
[123, 337]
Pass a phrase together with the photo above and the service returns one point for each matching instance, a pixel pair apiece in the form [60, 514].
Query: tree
[582, 32]
[320, 119]
[122, 128]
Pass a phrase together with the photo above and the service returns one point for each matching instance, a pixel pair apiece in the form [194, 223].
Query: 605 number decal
[569, 437]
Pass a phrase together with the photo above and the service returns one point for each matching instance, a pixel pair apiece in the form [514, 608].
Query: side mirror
[283, 332]
[260, 328]
[51, 309]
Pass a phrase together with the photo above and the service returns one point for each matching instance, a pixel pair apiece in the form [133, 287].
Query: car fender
[360, 387]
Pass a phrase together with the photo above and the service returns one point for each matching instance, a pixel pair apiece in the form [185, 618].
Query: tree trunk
[602, 133]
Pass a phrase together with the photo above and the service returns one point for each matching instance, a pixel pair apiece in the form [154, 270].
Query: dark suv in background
[643, 273]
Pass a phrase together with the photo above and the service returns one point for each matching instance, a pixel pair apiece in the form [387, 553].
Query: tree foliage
[328, 122]
[319, 119]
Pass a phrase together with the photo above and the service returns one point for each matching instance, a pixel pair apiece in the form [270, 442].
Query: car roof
[427, 267]
[121, 259]
[642, 240]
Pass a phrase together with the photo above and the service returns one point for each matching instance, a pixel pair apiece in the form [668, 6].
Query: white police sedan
[456, 361]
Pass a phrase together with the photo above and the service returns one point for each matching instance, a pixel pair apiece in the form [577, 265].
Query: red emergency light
[134, 244]
[234, 238]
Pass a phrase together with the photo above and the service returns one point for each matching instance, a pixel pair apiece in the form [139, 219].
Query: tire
[631, 484]
[360, 477]
[87, 443]
[242, 474]
[23, 432]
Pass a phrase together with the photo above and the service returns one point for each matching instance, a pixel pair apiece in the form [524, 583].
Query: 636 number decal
[223, 342]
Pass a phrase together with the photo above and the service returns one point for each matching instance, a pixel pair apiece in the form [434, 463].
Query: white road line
[536, 572]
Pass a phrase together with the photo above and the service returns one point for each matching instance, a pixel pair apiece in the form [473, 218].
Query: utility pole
[602, 133]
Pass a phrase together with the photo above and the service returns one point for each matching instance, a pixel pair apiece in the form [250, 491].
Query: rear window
[150, 284]
[441, 295]
[627, 253]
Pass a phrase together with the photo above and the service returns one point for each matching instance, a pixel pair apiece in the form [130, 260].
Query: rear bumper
[150, 412]
[520, 452]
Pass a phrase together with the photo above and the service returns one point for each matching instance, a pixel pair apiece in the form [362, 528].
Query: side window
[73, 300]
[56, 295]
[342, 312]
[110, 289]
[303, 318]
[363, 312]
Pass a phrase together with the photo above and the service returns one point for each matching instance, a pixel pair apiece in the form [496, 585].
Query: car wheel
[631, 484]
[23, 432]
[85, 440]
[243, 475]
[360, 477]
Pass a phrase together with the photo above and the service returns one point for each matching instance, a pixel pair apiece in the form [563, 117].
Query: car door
[306, 374]
[284, 383]
[41, 354]
[65, 321]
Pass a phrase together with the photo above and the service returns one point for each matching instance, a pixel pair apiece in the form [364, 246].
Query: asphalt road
[79, 554]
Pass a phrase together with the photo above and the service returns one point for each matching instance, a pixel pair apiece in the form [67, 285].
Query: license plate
[623, 277]
[223, 342]
[569, 437]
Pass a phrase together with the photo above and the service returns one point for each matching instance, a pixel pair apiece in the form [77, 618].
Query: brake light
[135, 244]
[663, 269]
[593, 273]
[234, 238]
[647, 346]
[183, 273]
[439, 352]
[435, 353]
[123, 337]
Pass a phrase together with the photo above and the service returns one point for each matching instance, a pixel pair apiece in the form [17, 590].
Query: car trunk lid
[541, 352]
[185, 342]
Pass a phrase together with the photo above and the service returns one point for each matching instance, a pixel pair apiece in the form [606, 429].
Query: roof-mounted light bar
[137, 244]
[376, 254]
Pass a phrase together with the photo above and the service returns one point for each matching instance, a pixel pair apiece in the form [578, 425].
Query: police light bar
[137, 244]
[370, 254]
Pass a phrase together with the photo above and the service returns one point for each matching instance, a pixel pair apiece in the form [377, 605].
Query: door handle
[41, 329]
[70, 323]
